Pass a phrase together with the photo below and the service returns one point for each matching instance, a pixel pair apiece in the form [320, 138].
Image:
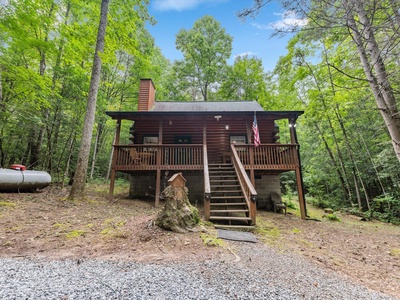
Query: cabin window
[238, 140]
[150, 140]
[183, 139]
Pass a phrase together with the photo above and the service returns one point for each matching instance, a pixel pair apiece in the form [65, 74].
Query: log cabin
[213, 145]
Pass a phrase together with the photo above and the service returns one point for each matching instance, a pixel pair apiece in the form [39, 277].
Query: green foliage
[319, 202]
[291, 205]
[8, 204]
[331, 217]
[244, 81]
[46, 53]
[212, 241]
[205, 48]
[75, 233]
[347, 154]
[386, 209]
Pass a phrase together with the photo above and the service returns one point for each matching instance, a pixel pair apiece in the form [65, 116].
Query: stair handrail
[247, 187]
[207, 186]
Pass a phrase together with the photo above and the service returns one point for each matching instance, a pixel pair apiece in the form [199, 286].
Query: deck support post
[299, 175]
[302, 201]
[158, 188]
[114, 161]
[158, 162]
[253, 209]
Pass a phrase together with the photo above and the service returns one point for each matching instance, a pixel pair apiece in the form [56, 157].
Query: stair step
[225, 180]
[228, 204]
[230, 218]
[227, 197]
[226, 191]
[229, 211]
[226, 185]
[223, 175]
[248, 227]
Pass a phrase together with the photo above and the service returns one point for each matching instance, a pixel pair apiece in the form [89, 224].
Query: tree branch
[348, 75]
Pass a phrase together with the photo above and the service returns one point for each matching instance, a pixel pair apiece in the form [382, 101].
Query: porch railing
[247, 188]
[207, 185]
[152, 157]
[268, 156]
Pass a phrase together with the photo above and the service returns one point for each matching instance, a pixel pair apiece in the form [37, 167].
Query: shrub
[385, 208]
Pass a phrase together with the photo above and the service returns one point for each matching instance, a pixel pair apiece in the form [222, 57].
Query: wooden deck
[277, 157]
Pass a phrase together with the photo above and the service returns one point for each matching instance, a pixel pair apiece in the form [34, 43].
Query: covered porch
[193, 141]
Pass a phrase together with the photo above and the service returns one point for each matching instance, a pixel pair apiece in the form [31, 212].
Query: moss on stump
[178, 214]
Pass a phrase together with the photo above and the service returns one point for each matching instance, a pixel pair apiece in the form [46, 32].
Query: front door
[182, 155]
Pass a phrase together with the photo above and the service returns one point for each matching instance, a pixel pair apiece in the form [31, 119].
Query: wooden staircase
[228, 207]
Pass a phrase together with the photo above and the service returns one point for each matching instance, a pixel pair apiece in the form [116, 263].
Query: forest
[342, 69]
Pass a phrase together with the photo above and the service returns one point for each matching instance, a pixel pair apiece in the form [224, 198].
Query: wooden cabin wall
[144, 128]
[218, 137]
[267, 130]
[187, 128]
[217, 134]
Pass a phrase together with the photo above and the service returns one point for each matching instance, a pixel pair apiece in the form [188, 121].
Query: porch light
[292, 125]
[227, 127]
[170, 122]
[217, 117]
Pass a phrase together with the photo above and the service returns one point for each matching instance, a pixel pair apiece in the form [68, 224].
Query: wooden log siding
[217, 134]
[268, 156]
[153, 157]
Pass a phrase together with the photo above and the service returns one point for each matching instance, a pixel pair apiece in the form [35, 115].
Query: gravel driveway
[257, 272]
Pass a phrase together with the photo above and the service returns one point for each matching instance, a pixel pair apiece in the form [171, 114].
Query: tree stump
[178, 214]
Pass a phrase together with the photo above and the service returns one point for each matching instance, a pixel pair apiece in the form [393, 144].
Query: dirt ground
[46, 224]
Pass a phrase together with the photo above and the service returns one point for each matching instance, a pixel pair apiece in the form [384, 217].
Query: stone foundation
[265, 184]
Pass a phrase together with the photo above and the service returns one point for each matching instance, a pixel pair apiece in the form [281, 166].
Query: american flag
[256, 133]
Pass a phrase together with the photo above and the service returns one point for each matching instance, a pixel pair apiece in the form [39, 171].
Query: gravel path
[260, 273]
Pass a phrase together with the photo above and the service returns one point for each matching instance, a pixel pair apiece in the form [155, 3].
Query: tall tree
[245, 80]
[206, 48]
[374, 28]
[78, 186]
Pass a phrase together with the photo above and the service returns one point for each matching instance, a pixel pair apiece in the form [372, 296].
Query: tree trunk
[78, 186]
[343, 178]
[178, 214]
[110, 160]
[2, 154]
[379, 82]
[71, 147]
[96, 148]
[343, 181]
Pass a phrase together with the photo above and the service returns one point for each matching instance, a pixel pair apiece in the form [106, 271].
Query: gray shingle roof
[206, 106]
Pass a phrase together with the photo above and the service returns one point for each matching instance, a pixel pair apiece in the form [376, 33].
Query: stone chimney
[147, 93]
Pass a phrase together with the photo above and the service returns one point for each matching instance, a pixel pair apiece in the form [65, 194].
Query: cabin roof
[203, 109]
[206, 106]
